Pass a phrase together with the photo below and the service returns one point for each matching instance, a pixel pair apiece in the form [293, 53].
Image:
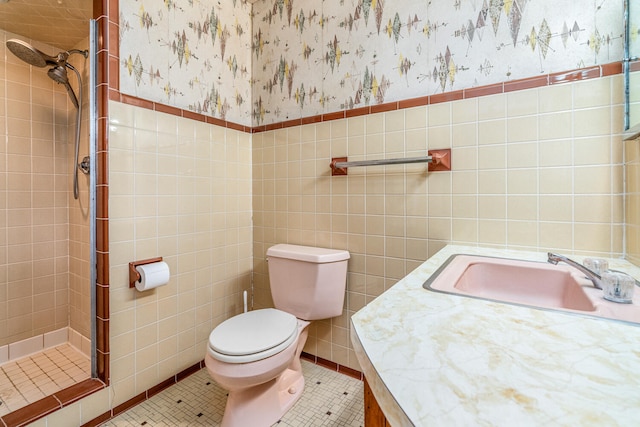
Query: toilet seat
[253, 336]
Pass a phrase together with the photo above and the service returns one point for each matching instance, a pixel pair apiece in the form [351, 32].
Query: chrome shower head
[59, 75]
[58, 72]
[30, 54]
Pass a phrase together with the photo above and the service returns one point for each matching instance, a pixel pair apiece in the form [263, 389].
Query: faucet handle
[597, 265]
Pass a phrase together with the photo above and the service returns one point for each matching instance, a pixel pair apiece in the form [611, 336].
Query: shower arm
[84, 53]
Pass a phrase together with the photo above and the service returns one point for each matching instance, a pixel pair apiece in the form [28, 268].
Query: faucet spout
[595, 278]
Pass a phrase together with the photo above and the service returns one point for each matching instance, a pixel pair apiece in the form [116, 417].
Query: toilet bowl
[256, 355]
[263, 384]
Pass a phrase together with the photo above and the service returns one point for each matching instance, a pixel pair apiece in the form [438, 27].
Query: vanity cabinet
[373, 415]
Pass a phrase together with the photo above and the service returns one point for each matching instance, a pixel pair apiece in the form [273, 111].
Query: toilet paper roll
[152, 275]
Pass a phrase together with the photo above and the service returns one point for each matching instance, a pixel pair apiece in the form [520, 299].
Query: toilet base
[265, 404]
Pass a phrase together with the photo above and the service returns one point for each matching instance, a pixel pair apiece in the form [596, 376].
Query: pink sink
[535, 284]
[529, 283]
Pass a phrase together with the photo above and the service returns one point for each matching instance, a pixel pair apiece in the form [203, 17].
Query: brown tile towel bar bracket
[439, 160]
[134, 276]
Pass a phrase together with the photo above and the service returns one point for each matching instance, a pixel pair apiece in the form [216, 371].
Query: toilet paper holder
[134, 276]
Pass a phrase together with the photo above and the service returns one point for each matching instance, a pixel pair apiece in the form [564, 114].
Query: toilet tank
[306, 281]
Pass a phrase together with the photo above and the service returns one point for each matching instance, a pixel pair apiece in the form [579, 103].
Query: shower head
[30, 54]
[58, 72]
[59, 75]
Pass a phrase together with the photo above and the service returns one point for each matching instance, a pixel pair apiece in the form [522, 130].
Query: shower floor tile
[29, 379]
[330, 399]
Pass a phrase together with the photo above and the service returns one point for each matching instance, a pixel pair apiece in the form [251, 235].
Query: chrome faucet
[591, 275]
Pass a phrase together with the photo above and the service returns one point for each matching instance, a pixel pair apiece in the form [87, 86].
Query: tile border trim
[146, 395]
[345, 370]
[579, 74]
[47, 405]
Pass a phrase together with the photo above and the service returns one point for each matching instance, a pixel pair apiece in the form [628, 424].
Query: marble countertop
[434, 359]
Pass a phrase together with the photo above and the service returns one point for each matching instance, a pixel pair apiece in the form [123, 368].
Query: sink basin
[529, 283]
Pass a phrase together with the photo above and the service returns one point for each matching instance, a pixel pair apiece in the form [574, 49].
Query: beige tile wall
[632, 175]
[541, 169]
[34, 199]
[538, 169]
[178, 189]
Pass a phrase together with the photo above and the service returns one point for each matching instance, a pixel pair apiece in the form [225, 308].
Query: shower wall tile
[36, 208]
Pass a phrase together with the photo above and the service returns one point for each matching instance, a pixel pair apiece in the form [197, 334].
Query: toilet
[256, 355]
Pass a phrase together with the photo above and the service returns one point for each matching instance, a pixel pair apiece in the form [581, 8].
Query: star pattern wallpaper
[279, 60]
[190, 54]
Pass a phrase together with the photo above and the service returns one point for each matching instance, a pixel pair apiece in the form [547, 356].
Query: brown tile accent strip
[237, 127]
[312, 119]
[381, 108]
[332, 365]
[474, 92]
[333, 116]
[145, 395]
[193, 116]
[327, 364]
[103, 267]
[292, 123]
[49, 404]
[30, 413]
[508, 86]
[273, 126]
[102, 309]
[138, 102]
[162, 386]
[446, 97]
[129, 404]
[102, 199]
[524, 84]
[351, 372]
[189, 371]
[611, 69]
[168, 109]
[101, 419]
[103, 365]
[106, 13]
[102, 234]
[413, 102]
[572, 76]
[101, 166]
[195, 368]
[102, 333]
[77, 391]
[308, 356]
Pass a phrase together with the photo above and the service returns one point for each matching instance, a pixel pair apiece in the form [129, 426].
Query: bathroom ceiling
[59, 23]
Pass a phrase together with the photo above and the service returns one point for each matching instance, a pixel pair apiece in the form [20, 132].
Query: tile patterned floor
[28, 379]
[330, 399]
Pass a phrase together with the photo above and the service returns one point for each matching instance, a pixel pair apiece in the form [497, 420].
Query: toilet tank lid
[307, 253]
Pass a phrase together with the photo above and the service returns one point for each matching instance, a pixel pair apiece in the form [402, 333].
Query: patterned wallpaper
[190, 54]
[286, 59]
